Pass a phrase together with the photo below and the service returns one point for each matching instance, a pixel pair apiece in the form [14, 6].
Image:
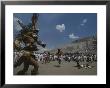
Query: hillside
[83, 45]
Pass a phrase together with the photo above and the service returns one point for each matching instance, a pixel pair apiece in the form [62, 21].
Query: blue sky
[62, 28]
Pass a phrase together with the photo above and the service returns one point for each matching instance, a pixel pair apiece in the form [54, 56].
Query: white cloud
[61, 27]
[72, 36]
[83, 22]
[17, 27]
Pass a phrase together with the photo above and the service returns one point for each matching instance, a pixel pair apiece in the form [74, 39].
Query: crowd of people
[47, 57]
[66, 57]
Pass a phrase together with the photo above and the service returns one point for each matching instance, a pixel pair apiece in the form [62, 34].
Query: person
[69, 58]
[44, 58]
[28, 59]
[77, 61]
[48, 57]
[59, 54]
[30, 45]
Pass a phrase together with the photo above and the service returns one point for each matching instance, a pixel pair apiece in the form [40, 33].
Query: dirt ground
[66, 68]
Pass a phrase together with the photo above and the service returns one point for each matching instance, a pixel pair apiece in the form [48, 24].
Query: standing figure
[28, 59]
[59, 54]
[77, 59]
[30, 39]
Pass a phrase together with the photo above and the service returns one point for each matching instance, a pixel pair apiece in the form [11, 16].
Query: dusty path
[66, 68]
